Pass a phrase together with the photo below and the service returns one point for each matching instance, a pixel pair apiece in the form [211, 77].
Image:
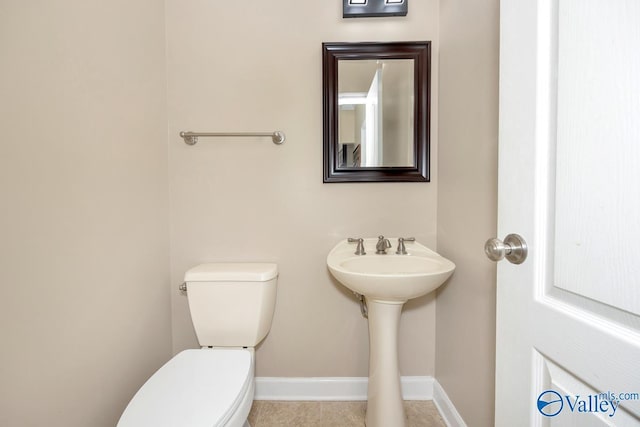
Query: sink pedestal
[384, 401]
[387, 282]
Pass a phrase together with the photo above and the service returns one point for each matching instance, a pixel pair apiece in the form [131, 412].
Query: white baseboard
[354, 388]
[448, 412]
[320, 388]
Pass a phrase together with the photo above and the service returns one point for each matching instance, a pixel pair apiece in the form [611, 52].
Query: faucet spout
[382, 245]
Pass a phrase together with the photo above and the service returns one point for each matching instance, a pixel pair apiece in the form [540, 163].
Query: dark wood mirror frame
[420, 52]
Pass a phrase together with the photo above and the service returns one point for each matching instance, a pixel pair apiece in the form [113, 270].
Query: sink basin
[389, 277]
[387, 282]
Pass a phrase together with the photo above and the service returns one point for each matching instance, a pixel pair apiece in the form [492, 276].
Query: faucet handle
[401, 249]
[360, 247]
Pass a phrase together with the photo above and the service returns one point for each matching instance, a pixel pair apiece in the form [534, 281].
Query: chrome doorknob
[514, 249]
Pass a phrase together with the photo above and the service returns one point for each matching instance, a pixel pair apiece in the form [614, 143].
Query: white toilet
[231, 306]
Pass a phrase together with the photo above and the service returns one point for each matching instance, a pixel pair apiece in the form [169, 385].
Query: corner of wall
[467, 203]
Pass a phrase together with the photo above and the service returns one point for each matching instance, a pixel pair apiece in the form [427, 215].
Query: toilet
[231, 307]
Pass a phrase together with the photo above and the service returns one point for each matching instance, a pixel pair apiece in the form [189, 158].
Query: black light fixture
[373, 8]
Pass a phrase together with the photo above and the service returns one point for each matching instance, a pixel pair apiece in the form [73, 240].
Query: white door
[568, 317]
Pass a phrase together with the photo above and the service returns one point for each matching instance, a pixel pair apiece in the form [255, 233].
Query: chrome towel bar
[190, 138]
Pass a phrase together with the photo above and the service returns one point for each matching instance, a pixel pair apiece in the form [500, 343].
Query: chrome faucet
[382, 245]
[401, 249]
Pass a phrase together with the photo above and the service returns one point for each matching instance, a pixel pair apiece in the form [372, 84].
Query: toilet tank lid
[232, 272]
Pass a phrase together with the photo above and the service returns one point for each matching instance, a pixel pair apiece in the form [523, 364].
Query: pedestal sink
[387, 282]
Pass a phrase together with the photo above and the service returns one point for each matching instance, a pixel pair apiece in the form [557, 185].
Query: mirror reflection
[376, 113]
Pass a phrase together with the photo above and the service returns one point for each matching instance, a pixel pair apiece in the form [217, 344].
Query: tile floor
[334, 414]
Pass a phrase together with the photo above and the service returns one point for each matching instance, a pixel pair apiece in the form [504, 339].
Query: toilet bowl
[231, 306]
[197, 388]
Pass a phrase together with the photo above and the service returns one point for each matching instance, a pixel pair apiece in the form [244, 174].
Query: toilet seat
[197, 388]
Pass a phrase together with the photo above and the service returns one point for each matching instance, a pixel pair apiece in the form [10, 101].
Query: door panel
[568, 318]
[555, 377]
[597, 202]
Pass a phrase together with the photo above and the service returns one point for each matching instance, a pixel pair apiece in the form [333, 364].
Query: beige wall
[255, 66]
[467, 197]
[86, 303]
[84, 311]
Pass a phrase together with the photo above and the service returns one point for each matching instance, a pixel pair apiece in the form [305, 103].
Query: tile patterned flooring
[334, 414]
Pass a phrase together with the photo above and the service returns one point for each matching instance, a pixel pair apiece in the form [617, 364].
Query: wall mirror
[376, 111]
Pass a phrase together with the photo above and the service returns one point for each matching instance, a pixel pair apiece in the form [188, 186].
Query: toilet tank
[231, 304]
